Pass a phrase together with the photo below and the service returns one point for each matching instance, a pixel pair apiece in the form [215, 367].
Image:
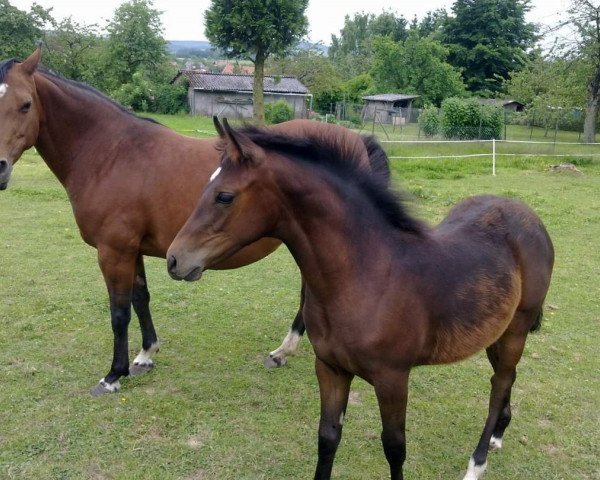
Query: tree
[416, 66]
[316, 72]
[488, 39]
[352, 51]
[584, 19]
[19, 30]
[432, 23]
[135, 42]
[68, 46]
[256, 29]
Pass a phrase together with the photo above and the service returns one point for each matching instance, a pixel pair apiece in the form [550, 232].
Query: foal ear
[240, 149]
[29, 65]
[218, 126]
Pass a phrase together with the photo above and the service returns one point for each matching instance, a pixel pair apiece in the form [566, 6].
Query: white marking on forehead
[3, 89]
[215, 174]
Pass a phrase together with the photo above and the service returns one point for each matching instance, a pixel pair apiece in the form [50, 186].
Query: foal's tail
[378, 159]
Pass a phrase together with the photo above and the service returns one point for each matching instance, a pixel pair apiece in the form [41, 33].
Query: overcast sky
[183, 20]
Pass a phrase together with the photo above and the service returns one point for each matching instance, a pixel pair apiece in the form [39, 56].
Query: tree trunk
[589, 125]
[258, 94]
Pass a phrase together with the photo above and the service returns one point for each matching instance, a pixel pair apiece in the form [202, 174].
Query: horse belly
[463, 333]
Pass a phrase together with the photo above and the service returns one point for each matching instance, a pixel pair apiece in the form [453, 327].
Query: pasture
[209, 410]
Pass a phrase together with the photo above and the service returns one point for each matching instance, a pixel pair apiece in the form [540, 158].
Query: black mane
[345, 164]
[6, 65]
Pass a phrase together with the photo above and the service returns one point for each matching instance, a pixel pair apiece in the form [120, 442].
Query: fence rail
[495, 148]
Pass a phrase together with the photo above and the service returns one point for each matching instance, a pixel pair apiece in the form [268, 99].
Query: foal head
[19, 112]
[236, 208]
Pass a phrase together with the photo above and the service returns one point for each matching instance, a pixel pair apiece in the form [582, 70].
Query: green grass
[209, 410]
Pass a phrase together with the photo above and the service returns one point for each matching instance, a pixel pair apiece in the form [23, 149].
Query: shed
[388, 107]
[510, 105]
[231, 95]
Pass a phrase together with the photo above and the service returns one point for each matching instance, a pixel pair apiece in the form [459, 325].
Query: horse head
[19, 112]
[233, 211]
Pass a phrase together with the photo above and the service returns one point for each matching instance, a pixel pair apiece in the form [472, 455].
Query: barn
[227, 95]
[388, 107]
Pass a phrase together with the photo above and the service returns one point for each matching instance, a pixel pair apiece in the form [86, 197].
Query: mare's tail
[380, 163]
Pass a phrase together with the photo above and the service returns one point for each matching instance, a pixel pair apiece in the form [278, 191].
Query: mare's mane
[6, 65]
[335, 156]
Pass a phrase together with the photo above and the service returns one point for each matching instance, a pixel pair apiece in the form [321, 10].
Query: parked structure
[388, 107]
[231, 95]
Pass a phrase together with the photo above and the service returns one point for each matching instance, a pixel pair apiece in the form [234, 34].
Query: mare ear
[240, 149]
[30, 64]
[218, 127]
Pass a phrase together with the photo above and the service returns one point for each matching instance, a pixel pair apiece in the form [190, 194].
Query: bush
[429, 121]
[278, 112]
[468, 119]
[143, 95]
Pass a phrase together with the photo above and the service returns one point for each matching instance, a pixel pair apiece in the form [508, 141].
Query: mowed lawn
[210, 410]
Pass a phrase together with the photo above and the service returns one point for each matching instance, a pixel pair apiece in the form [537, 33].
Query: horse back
[502, 221]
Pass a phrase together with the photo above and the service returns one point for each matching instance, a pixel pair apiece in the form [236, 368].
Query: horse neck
[332, 245]
[75, 125]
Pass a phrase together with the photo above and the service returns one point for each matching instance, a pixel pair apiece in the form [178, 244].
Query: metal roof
[390, 97]
[218, 82]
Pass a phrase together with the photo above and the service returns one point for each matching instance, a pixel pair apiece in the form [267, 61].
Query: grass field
[209, 410]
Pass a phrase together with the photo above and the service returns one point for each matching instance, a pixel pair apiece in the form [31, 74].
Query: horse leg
[141, 304]
[334, 388]
[505, 411]
[392, 396]
[289, 346]
[504, 356]
[118, 270]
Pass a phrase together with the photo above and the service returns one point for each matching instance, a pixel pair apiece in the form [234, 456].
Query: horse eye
[25, 107]
[225, 198]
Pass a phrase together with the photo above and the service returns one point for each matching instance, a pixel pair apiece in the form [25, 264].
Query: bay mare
[131, 183]
[383, 291]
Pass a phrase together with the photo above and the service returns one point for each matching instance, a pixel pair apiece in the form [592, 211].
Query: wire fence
[493, 149]
[555, 124]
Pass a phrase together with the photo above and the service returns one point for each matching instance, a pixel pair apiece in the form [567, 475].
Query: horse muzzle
[177, 271]
[5, 171]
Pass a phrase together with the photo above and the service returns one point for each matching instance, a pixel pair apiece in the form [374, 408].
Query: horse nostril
[171, 263]
[3, 166]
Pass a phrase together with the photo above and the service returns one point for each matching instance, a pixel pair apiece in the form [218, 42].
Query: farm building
[388, 107]
[510, 105]
[231, 95]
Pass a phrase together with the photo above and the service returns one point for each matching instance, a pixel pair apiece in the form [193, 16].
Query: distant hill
[199, 48]
[183, 46]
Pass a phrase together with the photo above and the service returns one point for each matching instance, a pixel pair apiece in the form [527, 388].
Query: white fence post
[494, 157]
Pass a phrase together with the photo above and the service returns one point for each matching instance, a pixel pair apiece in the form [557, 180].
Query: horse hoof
[100, 389]
[139, 369]
[274, 362]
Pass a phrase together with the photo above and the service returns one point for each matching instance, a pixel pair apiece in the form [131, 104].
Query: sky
[183, 19]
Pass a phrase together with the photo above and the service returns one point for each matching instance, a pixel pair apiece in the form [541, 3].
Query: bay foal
[384, 292]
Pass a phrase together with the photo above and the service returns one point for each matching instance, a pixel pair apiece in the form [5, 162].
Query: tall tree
[352, 50]
[19, 30]
[418, 66]
[584, 49]
[135, 41]
[256, 29]
[488, 39]
[68, 46]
